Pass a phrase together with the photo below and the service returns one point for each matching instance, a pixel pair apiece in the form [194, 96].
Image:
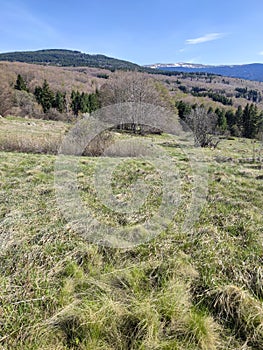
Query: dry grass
[242, 311]
[187, 291]
[30, 135]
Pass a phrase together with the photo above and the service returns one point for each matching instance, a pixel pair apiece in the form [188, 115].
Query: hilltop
[66, 58]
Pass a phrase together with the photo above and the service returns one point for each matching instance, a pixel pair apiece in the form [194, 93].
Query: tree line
[79, 102]
[132, 87]
[243, 122]
[201, 92]
[251, 95]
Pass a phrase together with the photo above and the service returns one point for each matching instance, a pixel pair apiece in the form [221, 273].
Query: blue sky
[200, 31]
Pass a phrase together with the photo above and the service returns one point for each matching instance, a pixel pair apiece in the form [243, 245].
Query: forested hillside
[63, 93]
[67, 58]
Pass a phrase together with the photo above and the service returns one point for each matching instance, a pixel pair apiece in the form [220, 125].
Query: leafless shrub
[25, 105]
[6, 96]
[54, 114]
[30, 144]
[99, 144]
[203, 126]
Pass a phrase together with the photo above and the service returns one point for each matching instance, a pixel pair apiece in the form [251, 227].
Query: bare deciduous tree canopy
[203, 126]
[138, 89]
[131, 87]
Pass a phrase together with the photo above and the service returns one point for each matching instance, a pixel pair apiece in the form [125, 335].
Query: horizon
[155, 31]
[147, 64]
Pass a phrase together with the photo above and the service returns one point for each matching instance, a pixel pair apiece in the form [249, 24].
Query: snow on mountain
[176, 65]
[252, 71]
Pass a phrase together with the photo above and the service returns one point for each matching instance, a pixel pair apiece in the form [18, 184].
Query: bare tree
[203, 126]
[6, 97]
[130, 87]
[137, 88]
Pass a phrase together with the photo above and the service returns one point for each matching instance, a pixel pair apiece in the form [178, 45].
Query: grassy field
[31, 135]
[200, 289]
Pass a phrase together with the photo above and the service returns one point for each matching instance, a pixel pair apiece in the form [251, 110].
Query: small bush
[98, 145]
[29, 144]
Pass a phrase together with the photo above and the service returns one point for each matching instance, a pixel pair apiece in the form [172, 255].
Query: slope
[60, 57]
[197, 290]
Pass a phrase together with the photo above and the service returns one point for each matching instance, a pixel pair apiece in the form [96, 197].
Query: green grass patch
[200, 289]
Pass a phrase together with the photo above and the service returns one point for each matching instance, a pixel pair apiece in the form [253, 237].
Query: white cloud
[261, 53]
[205, 38]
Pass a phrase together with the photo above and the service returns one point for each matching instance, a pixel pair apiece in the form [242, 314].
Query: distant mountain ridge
[253, 71]
[73, 58]
[62, 57]
[176, 65]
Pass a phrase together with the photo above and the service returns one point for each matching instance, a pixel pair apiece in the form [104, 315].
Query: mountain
[253, 71]
[70, 58]
[59, 57]
[176, 65]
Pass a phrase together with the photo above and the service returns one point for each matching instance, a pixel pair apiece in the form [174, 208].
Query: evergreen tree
[20, 84]
[221, 120]
[239, 117]
[210, 110]
[60, 102]
[84, 103]
[184, 109]
[233, 123]
[45, 96]
[260, 126]
[94, 101]
[75, 102]
[38, 93]
[230, 118]
[250, 120]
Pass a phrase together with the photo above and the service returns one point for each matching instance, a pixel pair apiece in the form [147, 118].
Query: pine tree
[75, 102]
[221, 121]
[94, 102]
[47, 97]
[20, 84]
[260, 125]
[44, 96]
[60, 101]
[233, 121]
[84, 103]
[239, 117]
[184, 109]
[250, 120]
[230, 118]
